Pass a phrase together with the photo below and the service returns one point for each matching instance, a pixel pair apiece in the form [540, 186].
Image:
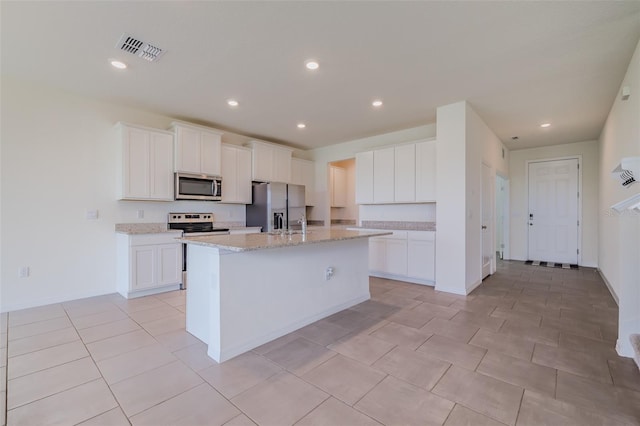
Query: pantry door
[553, 211]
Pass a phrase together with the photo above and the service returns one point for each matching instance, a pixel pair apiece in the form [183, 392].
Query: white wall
[464, 142]
[518, 194]
[619, 234]
[346, 150]
[58, 161]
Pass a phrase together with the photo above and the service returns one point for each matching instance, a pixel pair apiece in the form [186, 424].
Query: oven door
[198, 187]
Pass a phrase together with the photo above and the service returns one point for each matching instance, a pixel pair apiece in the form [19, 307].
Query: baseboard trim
[608, 284]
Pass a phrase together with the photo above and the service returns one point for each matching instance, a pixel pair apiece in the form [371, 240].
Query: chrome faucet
[303, 221]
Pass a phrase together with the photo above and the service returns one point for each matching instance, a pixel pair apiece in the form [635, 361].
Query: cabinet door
[229, 174]
[426, 171]
[210, 154]
[281, 165]
[364, 177]
[405, 174]
[421, 258]
[297, 172]
[338, 187]
[136, 166]
[187, 150]
[396, 256]
[262, 163]
[377, 254]
[243, 176]
[161, 167]
[383, 175]
[303, 173]
[143, 267]
[169, 263]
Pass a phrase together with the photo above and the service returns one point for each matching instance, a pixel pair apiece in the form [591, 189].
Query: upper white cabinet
[398, 174]
[338, 181]
[404, 182]
[364, 177]
[198, 149]
[303, 173]
[236, 174]
[270, 163]
[383, 175]
[145, 163]
[426, 171]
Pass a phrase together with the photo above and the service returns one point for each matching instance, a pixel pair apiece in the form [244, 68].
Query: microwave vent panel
[142, 49]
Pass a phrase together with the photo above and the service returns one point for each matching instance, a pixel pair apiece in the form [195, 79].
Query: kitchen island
[246, 290]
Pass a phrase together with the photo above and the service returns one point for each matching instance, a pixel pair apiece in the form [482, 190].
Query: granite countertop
[249, 242]
[144, 228]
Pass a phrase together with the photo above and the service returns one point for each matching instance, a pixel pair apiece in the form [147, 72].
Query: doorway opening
[342, 192]
[502, 218]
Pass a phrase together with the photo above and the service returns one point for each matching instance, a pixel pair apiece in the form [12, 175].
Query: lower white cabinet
[148, 263]
[421, 250]
[249, 230]
[405, 255]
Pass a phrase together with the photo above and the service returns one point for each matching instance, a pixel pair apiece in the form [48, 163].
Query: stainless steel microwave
[198, 187]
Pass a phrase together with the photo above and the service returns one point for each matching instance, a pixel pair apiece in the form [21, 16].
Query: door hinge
[578, 223]
[578, 251]
[578, 165]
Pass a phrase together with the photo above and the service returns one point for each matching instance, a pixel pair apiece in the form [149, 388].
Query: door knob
[484, 226]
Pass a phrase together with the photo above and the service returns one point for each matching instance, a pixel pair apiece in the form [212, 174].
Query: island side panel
[266, 294]
[202, 291]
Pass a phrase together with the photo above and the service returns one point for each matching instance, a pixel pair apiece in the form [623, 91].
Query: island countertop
[262, 241]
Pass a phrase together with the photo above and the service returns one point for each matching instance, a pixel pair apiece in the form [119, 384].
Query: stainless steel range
[193, 225]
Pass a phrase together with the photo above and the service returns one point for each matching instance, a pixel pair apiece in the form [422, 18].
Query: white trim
[608, 284]
[54, 300]
[580, 191]
[402, 278]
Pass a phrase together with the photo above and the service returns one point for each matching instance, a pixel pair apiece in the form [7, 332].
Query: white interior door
[553, 211]
[487, 220]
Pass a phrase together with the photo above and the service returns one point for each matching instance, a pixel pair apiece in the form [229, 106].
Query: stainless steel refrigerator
[276, 206]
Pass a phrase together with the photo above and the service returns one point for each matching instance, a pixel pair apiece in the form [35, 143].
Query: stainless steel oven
[193, 225]
[198, 187]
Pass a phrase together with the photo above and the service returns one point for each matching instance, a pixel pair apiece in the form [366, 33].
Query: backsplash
[399, 225]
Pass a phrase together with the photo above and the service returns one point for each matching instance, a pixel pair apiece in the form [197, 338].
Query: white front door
[553, 211]
[487, 221]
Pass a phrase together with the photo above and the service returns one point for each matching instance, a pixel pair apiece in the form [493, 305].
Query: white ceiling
[518, 63]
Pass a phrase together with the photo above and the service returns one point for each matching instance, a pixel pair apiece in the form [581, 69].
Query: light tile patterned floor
[530, 346]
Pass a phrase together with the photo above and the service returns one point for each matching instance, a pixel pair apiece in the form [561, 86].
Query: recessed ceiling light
[377, 103]
[545, 125]
[312, 65]
[117, 64]
[301, 125]
[232, 102]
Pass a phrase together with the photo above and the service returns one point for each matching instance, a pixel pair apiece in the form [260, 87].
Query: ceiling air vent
[139, 48]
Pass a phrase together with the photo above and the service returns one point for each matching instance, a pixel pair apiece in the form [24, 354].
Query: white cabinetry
[145, 163]
[405, 255]
[303, 173]
[236, 174]
[398, 174]
[421, 251]
[426, 171]
[388, 254]
[404, 174]
[383, 175]
[197, 149]
[148, 264]
[270, 163]
[338, 182]
[364, 177]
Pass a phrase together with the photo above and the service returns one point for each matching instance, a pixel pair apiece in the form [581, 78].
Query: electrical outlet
[23, 272]
[328, 273]
[140, 214]
[92, 214]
